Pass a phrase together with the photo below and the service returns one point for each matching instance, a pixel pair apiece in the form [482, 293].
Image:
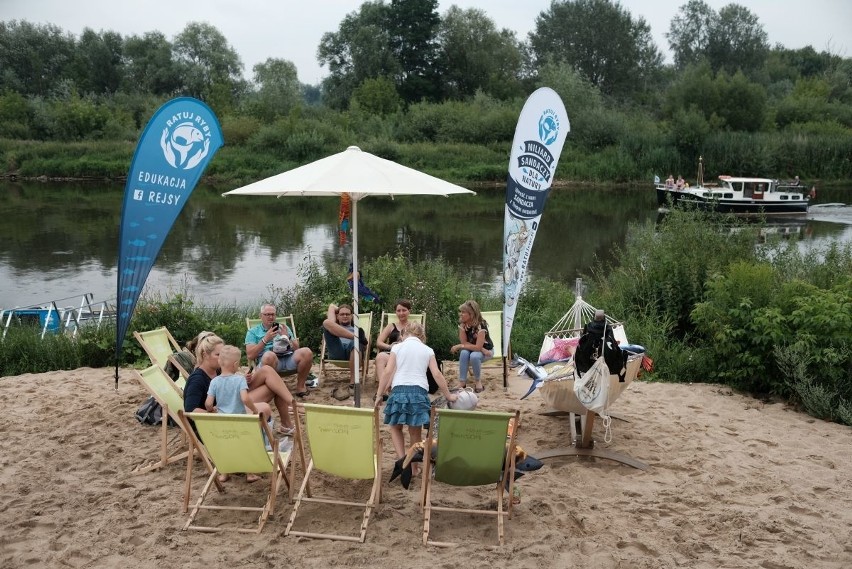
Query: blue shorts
[338, 348]
[286, 363]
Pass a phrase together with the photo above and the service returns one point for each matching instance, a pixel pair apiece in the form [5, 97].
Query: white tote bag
[592, 389]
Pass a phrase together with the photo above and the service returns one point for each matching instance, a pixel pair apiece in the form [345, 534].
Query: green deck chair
[234, 444]
[170, 398]
[344, 442]
[160, 346]
[473, 450]
[365, 322]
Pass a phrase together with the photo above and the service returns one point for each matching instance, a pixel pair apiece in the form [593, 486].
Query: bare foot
[252, 478]
[224, 478]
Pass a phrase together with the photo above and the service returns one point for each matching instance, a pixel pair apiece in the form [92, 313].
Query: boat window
[729, 196]
[784, 196]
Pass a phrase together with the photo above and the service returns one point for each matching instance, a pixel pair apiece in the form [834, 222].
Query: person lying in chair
[339, 333]
[264, 345]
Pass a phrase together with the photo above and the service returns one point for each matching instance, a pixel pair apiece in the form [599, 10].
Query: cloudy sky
[291, 29]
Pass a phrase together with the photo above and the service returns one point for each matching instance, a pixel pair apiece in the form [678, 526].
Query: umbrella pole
[355, 311]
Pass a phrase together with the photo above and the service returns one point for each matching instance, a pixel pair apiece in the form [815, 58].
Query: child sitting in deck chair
[228, 393]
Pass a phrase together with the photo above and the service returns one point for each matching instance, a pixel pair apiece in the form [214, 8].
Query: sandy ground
[733, 482]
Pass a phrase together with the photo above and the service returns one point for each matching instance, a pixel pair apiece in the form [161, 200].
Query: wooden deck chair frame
[170, 398]
[288, 321]
[365, 321]
[234, 443]
[504, 460]
[337, 437]
[161, 346]
[494, 318]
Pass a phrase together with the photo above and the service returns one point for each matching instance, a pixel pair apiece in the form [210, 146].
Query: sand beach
[733, 482]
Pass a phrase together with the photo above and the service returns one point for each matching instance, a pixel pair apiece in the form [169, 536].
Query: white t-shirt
[412, 361]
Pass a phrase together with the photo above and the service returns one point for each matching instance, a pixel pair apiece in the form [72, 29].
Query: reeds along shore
[733, 482]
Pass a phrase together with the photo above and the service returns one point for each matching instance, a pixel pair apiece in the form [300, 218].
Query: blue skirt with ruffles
[408, 405]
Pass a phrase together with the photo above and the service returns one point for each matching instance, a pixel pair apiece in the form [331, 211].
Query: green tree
[150, 65]
[14, 115]
[601, 40]
[98, 62]
[377, 97]
[733, 103]
[34, 58]
[476, 56]
[211, 69]
[737, 41]
[730, 39]
[278, 89]
[358, 50]
[742, 103]
[689, 32]
[412, 27]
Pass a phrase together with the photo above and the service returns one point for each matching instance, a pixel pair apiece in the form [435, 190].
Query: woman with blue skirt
[409, 403]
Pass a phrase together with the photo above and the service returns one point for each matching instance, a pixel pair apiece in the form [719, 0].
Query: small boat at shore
[51, 317]
[738, 195]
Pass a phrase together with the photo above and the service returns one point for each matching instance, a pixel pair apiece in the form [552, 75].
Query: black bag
[591, 347]
[150, 412]
[433, 385]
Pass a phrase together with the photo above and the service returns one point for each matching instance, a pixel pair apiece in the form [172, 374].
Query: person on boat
[391, 334]
[259, 348]
[475, 345]
[670, 182]
[339, 334]
[680, 182]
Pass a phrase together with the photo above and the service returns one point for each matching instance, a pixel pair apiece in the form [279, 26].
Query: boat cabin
[755, 189]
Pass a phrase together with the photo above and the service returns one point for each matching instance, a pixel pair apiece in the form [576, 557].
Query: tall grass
[463, 142]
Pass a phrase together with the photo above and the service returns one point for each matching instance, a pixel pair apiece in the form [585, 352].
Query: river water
[59, 240]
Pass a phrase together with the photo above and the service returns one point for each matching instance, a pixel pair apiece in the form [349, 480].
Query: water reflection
[58, 240]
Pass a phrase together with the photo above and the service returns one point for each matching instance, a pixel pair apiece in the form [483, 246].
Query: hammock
[554, 377]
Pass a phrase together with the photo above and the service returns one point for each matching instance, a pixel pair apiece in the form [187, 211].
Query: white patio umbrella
[359, 174]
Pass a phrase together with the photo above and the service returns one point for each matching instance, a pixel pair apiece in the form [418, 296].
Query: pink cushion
[563, 348]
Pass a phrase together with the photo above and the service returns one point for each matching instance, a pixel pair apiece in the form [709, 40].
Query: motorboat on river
[738, 195]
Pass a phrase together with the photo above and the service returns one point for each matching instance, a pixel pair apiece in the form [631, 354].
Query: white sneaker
[312, 383]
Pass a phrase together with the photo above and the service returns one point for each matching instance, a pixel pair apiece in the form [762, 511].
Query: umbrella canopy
[359, 174]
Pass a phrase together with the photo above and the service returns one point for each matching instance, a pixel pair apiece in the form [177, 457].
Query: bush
[24, 351]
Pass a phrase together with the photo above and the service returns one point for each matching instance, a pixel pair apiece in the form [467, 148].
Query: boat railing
[57, 316]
